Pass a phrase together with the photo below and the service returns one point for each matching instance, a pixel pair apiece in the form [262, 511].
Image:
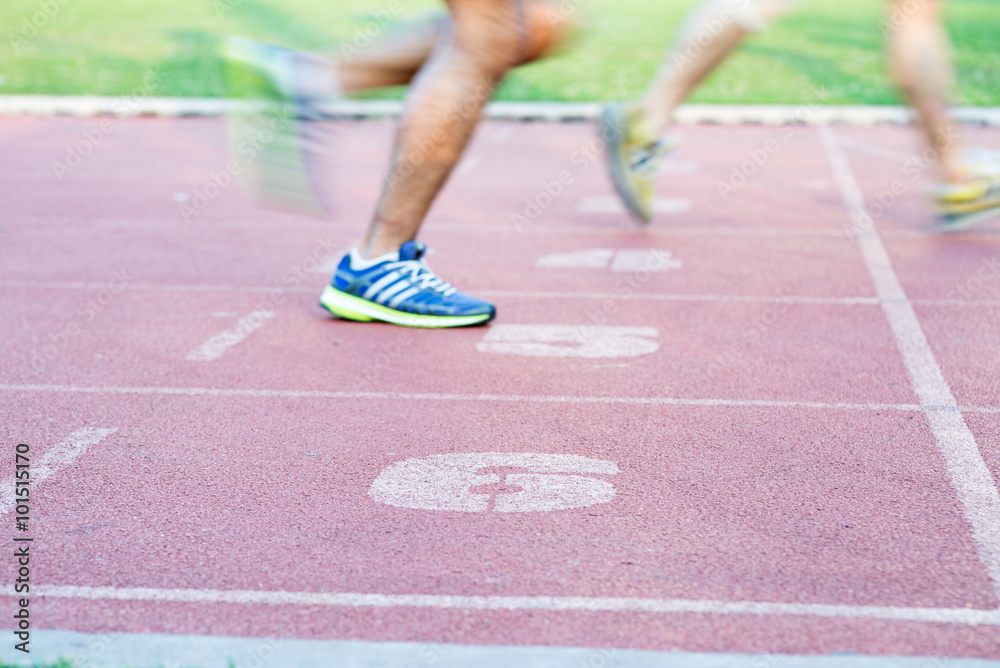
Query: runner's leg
[920, 57]
[485, 39]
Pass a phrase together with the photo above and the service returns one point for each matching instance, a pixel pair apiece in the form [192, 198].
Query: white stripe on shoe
[393, 289]
[375, 287]
[403, 296]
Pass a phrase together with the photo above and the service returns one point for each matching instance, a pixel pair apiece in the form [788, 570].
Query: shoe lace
[646, 158]
[421, 275]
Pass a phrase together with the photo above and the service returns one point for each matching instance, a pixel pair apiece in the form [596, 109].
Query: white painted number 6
[448, 482]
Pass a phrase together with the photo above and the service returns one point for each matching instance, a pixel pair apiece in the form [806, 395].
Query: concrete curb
[725, 114]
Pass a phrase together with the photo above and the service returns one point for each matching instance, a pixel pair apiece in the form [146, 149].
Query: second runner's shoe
[962, 205]
[400, 288]
[633, 157]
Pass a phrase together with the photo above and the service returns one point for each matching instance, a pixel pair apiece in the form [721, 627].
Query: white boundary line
[514, 398]
[55, 458]
[767, 114]
[218, 345]
[501, 294]
[969, 616]
[113, 650]
[970, 476]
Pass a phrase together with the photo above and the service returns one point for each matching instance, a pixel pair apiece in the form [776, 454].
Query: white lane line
[612, 204]
[63, 454]
[514, 294]
[971, 616]
[791, 299]
[970, 476]
[874, 150]
[754, 299]
[513, 398]
[218, 345]
[111, 650]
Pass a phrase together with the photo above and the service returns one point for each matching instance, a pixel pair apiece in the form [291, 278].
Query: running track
[765, 424]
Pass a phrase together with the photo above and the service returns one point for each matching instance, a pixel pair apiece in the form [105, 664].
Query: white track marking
[591, 258]
[589, 341]
[673, 166]
[467, 165]
[968, 616]
[612, 204]
[112, 650]
[513, 398]
[644, 259]
[874, 150]
[57, 457]
[502, 134]
[447, 482]
[218, 345]
[517, 294]
[623, 260]
[652, 296]
[970, 476]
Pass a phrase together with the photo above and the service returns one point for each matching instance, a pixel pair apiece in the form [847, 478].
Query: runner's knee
[750, 15]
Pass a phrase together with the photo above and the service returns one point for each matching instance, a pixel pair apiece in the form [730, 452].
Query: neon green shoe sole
[362, 310]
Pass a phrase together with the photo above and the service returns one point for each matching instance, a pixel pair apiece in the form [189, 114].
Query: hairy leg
[394, 57]
[484, 39]
[920, 58]
[708, 35]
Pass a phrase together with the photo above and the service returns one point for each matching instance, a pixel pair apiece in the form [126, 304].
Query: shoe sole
[355, 308]
[615, 125]
[964, 221]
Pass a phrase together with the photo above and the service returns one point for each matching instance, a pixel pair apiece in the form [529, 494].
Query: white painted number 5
[449, 482]
[569, 341]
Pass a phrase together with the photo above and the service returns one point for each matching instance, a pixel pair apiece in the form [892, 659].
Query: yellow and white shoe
[633, 156]
[976, 200]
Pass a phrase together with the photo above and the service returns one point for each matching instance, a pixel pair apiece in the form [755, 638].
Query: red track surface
[844, 501]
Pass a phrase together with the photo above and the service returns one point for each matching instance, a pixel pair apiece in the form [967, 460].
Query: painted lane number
[569, 341]
[450, 482]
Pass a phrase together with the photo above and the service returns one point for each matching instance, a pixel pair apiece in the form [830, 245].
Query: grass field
[107, 47]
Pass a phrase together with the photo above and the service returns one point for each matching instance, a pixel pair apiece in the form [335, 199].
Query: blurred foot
[975, 200]
[257, 70]
[400, 288]
[633, 157]
[282, 148]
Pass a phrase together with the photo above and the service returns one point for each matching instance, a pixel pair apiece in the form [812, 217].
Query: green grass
[106, 47]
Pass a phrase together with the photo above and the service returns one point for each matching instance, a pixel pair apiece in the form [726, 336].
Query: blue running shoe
[400, 288]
